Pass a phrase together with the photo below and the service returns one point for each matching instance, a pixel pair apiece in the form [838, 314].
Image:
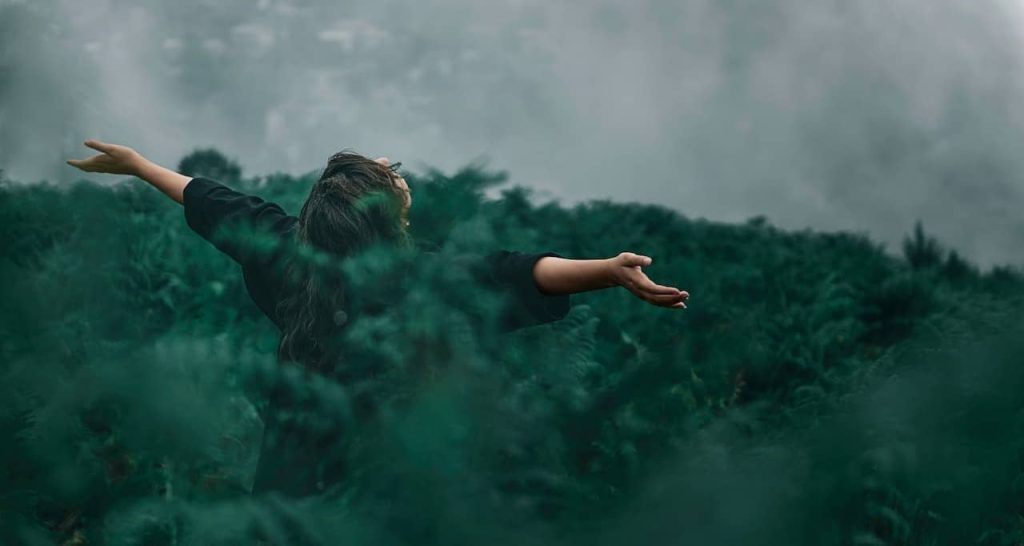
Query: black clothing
[211, 207]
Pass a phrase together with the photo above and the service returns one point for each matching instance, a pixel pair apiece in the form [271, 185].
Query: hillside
[817, 391]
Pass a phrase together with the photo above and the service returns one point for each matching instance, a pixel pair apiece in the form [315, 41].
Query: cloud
[832, 115]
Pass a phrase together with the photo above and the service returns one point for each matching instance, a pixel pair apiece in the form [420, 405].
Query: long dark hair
[356, 203]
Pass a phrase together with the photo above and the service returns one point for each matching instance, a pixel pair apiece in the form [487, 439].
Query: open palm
[627, 272]
[112, 159]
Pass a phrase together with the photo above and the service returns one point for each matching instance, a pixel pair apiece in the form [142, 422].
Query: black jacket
[211, 209]
[210, 206]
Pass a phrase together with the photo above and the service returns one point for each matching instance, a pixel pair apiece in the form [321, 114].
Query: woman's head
[357, 202]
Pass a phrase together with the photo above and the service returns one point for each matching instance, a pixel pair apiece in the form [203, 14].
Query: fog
[854, 115]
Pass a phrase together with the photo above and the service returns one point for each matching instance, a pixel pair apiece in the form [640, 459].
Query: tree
[210, 163]
[922, 251]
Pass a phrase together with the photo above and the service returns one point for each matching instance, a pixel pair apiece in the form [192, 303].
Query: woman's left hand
[113, 159]
[626, 272]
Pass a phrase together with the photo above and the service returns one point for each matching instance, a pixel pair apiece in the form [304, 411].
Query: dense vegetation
[817, 391]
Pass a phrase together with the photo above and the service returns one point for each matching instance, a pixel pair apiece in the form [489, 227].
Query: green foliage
[210, 163]
[922, 251]
[816, 391]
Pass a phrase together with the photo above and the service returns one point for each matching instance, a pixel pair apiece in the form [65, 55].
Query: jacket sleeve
[512, 272]
[231, 221]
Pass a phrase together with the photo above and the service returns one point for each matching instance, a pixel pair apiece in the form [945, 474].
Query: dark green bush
[817, 390]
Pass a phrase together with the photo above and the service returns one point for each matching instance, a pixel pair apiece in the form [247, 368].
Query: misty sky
[831, 114]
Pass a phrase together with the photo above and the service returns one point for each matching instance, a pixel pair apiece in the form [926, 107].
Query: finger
[658, 299]
[636, 260]
[92, 159]
[101, 146]
[679, 305]
[82, 164]
[647, 285]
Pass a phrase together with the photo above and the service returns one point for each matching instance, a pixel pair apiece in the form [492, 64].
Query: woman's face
[401, 184]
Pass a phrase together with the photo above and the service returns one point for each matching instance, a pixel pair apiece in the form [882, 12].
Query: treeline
[818, 390]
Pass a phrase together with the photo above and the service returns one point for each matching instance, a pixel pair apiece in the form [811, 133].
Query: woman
[337, 218]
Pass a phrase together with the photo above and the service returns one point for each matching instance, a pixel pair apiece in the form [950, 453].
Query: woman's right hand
[113, 159]
[625, 271]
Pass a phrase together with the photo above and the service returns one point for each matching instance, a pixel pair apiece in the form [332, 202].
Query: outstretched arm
[564, 276]
[117, 159]
[210, 207]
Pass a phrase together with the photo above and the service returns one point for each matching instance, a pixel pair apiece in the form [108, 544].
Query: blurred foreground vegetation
[817, 391]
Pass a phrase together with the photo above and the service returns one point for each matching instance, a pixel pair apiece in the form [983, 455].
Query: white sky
[836, 114]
